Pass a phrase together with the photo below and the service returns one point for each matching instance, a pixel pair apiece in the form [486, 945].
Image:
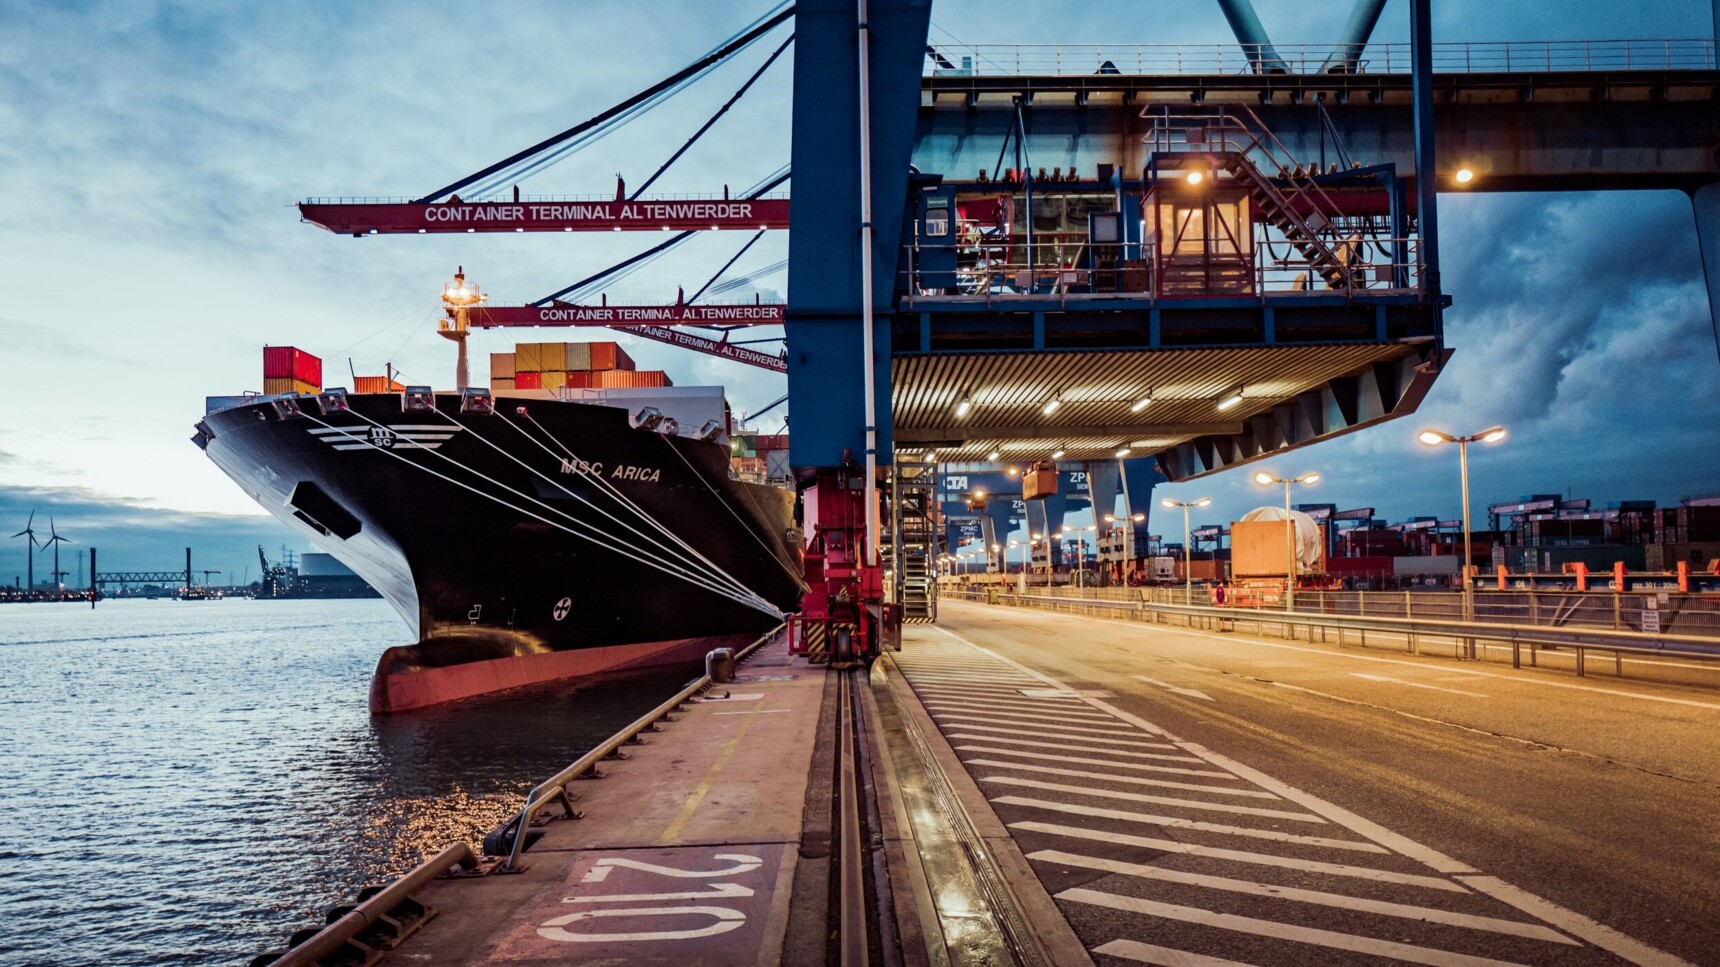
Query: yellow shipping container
[498, 383]
[529, 357]
[502, 365]
[273, 385]
[554, 380]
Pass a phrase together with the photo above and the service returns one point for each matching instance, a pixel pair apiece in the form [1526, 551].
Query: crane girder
[713, 347]
[360, 218]
[626, 317]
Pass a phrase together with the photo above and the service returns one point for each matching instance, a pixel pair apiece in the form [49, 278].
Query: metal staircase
[1236, 142]
[913, 540]
[1276, 207]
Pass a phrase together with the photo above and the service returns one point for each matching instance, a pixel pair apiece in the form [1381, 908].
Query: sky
[149, 248]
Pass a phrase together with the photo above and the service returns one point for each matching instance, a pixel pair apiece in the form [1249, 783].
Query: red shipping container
[579, 379]
[528, 381]
[608, 355]
[286, 362]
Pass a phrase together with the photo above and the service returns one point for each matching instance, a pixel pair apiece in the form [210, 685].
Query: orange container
[632, 379]
[608, 355]
[273, 385]
[375, 384]
[502, 364]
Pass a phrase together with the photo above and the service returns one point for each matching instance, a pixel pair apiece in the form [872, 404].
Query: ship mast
[458, 298]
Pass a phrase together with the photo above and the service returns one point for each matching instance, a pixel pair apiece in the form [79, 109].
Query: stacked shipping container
[290, 370]
[573, 365]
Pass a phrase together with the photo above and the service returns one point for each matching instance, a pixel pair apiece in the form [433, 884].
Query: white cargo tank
[1309, 542]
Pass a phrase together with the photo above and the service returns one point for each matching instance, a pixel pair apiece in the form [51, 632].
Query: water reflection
[206, 776]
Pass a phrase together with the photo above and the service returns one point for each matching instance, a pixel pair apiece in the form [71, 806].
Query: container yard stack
[572, 365]
[501, 371]
[290, 370]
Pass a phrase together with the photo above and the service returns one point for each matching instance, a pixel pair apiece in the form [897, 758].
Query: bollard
[720, 665]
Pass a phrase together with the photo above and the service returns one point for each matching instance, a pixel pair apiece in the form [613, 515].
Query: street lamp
[1434, 438]
[1188, 548]
[1266, 479]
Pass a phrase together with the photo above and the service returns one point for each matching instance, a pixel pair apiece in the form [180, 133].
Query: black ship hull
[547, 540]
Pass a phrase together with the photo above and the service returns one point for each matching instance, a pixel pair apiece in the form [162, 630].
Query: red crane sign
[628, 316]
[528, 215]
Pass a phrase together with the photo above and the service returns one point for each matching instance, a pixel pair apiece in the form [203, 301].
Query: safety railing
[349, 928]
[1272, 267]
[1067, 60]
[1465, 636]
[1689, 615]
[510, 838]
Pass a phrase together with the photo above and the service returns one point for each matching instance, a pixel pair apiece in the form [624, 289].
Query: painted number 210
[722, 919]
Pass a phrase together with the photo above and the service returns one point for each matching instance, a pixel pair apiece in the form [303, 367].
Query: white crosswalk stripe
[1176, 823]
[1121, 743]
[1036, 711]
[1162, 784]
[1285, 931]
[1176, 770]
[1037, 724]
[1407, 911]
[996, 740]
[1072, 754]
[1245, 856]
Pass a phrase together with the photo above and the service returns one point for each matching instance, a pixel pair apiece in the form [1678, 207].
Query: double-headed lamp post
[1128, 541]
[1266, 479]
[1188, 550]
[1434, 438]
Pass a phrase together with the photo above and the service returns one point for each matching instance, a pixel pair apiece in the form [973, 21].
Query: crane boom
[715, 347]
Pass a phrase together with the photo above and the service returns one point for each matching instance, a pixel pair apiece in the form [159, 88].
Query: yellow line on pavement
[681, 819]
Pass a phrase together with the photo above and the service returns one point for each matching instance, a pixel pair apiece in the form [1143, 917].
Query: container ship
[576, 517]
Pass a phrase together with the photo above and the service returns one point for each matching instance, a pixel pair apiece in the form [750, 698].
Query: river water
[188, 782]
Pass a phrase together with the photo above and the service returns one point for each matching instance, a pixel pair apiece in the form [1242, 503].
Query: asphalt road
[1258, 801]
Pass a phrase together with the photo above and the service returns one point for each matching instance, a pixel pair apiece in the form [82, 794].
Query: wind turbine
[56, 540]
[30, 542]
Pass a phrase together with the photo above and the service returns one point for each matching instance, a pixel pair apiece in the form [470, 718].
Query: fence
[1517, 56]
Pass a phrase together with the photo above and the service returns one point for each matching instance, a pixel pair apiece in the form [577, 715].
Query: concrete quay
[1043, 788]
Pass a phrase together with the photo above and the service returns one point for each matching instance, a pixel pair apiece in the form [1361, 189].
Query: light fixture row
[1231, 397]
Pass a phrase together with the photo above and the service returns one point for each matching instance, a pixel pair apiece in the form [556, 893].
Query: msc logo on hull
[377, 437]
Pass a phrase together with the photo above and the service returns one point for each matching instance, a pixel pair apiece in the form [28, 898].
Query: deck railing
[1515, 56]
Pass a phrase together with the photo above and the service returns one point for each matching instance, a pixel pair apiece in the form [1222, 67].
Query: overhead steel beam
[1245, 24]
[943, 434]
[1374, 395]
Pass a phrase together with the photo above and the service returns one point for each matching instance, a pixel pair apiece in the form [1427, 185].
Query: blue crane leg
[1355, 36]
[1252, 36]
[1706, 201]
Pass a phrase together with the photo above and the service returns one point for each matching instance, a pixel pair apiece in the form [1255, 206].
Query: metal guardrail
[1516, 56]
[1619, 643]
[1692, 615]
[332, 938]
[555, 788]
